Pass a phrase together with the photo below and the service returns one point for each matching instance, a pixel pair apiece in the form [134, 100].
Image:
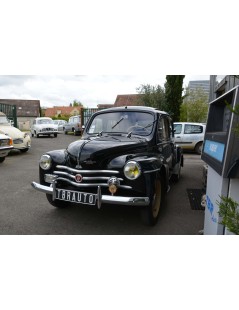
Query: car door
[178, 132]
[164, 138]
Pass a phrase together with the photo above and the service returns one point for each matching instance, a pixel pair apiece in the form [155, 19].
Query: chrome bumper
[131, 201]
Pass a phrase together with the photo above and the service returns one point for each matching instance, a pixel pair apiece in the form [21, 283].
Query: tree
[76, 103]
[152, 96]
[195, 106]
[174, 95]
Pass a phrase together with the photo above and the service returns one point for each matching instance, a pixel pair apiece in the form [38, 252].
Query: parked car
[74, 125]
[126, 156]
[21, 140]
[60, 125]
[44, 126]
[5, 146]
[190, 136]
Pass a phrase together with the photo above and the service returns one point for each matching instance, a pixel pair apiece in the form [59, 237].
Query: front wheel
[56, 203]
[2, 159]
[150, 213]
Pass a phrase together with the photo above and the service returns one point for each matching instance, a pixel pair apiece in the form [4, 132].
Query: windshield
[45, 121]
[138, 123]
[3, 120]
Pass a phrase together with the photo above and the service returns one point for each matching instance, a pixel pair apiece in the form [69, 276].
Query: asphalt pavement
[24, 211]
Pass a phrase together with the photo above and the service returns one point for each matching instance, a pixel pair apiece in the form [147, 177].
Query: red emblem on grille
[78, 178]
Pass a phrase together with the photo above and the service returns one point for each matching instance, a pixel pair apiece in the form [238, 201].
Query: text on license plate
[76, 197]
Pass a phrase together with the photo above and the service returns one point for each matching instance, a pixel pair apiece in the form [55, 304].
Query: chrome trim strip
[152, 170]
[90, 184]
[87, 171]
[61, 173]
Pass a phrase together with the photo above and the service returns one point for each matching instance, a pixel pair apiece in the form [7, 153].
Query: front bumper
[109, 199]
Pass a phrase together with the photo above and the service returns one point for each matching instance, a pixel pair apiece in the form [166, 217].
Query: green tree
[76, 103]
[174, 95]
[195, 106]
[152, 96]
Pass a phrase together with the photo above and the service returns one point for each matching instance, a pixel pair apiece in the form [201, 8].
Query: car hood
[104, 148]
[12, 132]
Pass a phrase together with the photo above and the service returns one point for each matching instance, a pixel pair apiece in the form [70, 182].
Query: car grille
[47, 129]
[18, 141]
[90, 178]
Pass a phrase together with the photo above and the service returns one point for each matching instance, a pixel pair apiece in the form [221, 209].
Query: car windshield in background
[3, 120]
[138, 123]
[45, 121]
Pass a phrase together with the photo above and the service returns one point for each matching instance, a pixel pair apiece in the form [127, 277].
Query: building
[220, 84]
[26, 110]
[62, 111]
[200, 84]
[128, 100]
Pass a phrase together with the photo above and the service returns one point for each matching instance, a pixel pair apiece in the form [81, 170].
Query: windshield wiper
[117, 122]
[150, 124]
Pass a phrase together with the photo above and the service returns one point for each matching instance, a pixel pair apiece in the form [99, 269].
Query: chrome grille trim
[90, 184]
[87, 171]
[98, 178]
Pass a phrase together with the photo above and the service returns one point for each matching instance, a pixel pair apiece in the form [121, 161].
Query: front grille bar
[111, 172]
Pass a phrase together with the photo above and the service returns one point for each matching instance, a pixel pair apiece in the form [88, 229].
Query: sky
[90, 90]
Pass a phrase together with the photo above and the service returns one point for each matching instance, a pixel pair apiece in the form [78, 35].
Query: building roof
[25, 108]
[128, 100]
[50, 112]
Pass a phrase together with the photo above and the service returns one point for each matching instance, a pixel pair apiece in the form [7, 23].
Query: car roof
[190, 123]
[133, 108]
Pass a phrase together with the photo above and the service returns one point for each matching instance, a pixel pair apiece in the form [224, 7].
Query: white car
[5, 146]
[61, 124]
[44, 126]
[189, 136]
[21, 140]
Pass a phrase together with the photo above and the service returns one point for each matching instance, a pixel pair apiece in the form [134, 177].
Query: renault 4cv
[126, 156]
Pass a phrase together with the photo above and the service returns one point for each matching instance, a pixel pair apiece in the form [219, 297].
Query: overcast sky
[90, 90]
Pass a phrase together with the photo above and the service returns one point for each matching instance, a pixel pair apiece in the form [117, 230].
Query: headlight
[45, 162]
[132, 170]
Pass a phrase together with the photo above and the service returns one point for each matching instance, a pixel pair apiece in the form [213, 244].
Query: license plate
[76, 197]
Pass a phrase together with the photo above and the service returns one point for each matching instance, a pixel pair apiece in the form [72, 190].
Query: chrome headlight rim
[130, 168]
[45, 162]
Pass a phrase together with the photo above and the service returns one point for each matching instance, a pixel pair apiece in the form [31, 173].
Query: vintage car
[73, 125]
[21, 140]
[5, 146]
[126, 156]
[44, 126]
[60, 124]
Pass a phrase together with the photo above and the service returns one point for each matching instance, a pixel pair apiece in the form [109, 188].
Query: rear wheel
[150, 213]
[56, 203]
[198, 148]
[55, 135]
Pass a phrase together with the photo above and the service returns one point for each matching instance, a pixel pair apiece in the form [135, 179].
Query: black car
[126, 156]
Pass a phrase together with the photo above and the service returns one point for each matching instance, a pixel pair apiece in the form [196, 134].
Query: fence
[86, 114]
[10, 111]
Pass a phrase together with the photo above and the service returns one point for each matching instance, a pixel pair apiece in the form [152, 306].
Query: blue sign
[214, 149]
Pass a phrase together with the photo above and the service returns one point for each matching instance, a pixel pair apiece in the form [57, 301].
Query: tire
[56, 203]
[66, 132]
[198, 148]
[74, 132]
[2, 159]
[176, 177]
[24, 150]
[55, 135]
[150, 213]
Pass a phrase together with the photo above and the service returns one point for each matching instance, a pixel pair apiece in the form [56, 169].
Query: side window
[193, 129]
[163, 129]
[177, 128]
